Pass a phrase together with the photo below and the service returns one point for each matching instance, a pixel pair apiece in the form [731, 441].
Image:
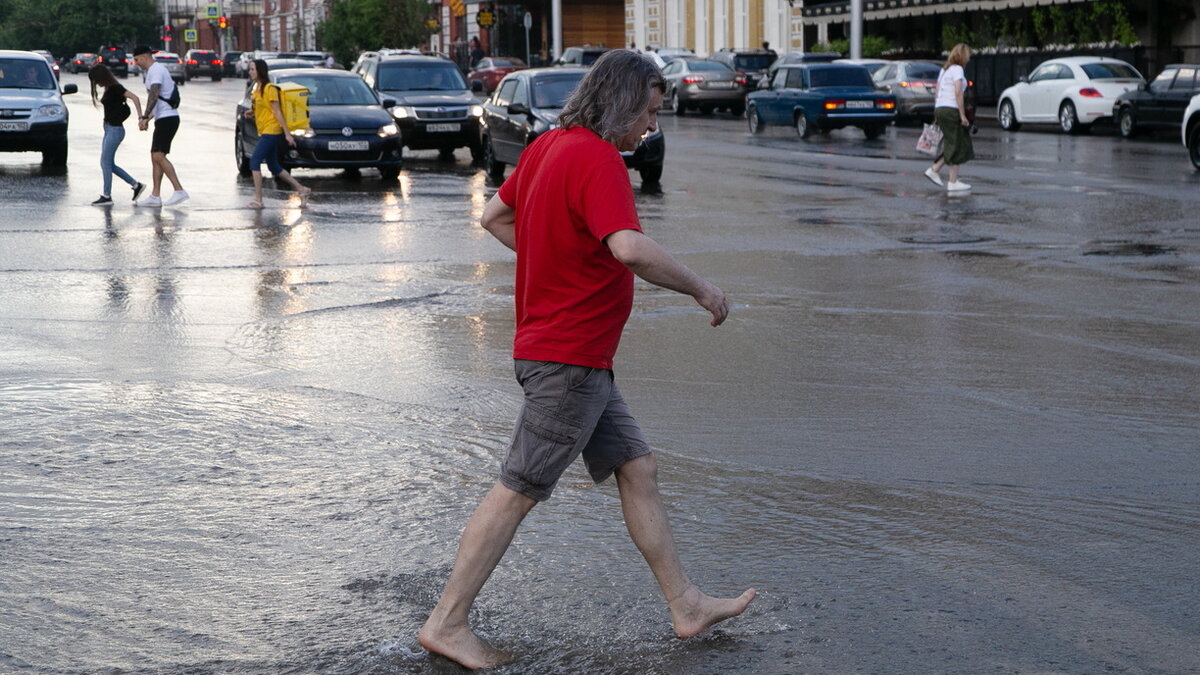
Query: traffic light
[222, 23]
[166, 33]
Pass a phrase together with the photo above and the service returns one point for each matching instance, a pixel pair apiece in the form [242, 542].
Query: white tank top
[945, 89]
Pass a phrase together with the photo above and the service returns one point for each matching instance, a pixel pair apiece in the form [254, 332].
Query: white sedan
[1075, 92]
[1191, 131]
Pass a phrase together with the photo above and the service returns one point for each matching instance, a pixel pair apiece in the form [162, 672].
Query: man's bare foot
[461, 646]
[694, 612]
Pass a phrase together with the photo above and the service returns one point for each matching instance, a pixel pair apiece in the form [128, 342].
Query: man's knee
[639, 470]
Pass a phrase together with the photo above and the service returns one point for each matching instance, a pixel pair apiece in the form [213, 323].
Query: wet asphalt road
[941, 434]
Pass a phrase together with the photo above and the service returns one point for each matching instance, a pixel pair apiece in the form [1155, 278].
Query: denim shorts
[569, 411]
[267, 149]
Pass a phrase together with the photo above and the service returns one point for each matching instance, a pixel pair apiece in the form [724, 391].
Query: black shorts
[164, 132]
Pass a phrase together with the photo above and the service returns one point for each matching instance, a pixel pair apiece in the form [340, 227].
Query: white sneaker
[958, 186]
[178, 196]
[932, 175]
[152, 200]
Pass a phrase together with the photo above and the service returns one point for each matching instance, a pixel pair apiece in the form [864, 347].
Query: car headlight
[304, 133]
[52, 110]
[388, 130]
[402, 111]
[477, 111]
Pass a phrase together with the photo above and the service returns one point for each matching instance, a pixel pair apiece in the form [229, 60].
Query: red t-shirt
[570, 190]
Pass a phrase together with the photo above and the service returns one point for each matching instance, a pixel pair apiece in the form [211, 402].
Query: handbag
[930, 142]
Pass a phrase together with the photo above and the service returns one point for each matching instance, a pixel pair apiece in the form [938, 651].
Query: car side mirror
[476, 87]
[518, 109]
[70, 88]
[1024, 79]
[389, 103]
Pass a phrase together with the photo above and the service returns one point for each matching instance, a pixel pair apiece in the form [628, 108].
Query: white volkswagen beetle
[1191, 131]
[1075, 92]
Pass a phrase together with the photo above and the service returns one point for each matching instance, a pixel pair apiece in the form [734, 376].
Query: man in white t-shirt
[160, 89]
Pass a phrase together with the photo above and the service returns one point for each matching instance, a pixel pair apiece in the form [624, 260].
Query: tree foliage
[69, 26]
[354, 26]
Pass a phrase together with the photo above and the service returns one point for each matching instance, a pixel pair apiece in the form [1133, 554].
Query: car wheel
[1194, 147]
[1127, 123]
[677, 105]
[1068, 120]
[243, 162]
[1008, 117]
[493, 168]
[389, 173]
[754, 120]
[873, 131]
[803, 128]
[55, 155]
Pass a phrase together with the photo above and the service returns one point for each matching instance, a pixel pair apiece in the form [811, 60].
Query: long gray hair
[613, 95]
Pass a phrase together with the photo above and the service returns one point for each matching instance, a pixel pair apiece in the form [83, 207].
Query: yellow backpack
[293, 101]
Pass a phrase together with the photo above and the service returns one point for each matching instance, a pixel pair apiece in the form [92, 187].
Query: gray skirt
[956, 141]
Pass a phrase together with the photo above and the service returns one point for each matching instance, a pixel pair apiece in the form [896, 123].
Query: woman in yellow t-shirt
[268, 118]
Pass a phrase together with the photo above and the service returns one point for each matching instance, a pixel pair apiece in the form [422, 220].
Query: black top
[116, 110]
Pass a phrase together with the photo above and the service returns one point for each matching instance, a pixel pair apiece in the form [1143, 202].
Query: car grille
[336, 132]
[364, 156]
[12, 114]
[447, 114]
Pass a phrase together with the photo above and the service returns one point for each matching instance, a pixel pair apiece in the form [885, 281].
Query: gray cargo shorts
[569, 410]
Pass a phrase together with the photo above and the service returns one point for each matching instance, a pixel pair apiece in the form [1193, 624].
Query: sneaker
[138, 190]
[104, 199]
[932, 175]
[178, 196]
[152, 200]
[958, 186]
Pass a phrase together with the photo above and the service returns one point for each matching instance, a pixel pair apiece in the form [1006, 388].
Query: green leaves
[354, 26]
[69, 26]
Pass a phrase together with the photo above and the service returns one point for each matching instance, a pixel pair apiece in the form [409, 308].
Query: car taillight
[218, 62]
[886, 105]
[834, 105]
[693, 79]
[741, 78]
[192, 62]
[1089, 92]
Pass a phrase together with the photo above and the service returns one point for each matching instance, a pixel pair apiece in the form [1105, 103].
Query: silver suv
[33, 117]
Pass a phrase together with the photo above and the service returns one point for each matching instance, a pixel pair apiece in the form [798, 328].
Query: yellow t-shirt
[264, 116]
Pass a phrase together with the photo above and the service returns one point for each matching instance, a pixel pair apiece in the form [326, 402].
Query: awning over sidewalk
[875, 10]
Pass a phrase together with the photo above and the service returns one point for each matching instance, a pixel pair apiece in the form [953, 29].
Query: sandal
[253, 205]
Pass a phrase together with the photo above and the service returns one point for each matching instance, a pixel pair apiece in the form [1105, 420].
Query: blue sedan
[821, 97]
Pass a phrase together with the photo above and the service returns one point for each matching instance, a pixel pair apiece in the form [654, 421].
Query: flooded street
[938, 434]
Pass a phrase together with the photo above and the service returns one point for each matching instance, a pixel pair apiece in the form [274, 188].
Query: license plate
[719, 85]
[442, 127]
[349, 145]
[860, 104]
[14, 126]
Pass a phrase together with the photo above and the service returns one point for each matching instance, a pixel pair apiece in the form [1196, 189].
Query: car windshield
[334, 90]
[1110, 71]
[420, 77]
[311, 57]
[841, 77]
[553, 92]
[753, 61]
[25, 74]
[923, 71]
[507, 63]
[696, 66]
[589, 58]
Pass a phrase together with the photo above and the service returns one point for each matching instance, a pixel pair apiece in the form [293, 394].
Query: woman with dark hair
[268, 119]
[116, 110]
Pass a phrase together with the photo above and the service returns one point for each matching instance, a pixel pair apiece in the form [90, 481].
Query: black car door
[1176, 100]
[503, 127]
[1150, 108]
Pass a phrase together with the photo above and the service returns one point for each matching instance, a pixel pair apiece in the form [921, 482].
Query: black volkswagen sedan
[527, 104]
[351, 127]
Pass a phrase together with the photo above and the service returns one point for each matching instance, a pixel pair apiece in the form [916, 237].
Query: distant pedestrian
[160, 89]
[272, 128]
[568, 211]
[477, 52]
[115, 100]
[950, 114]
[767, 48]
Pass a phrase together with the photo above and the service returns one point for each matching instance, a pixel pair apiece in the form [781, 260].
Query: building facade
[706, 26]
[291, 25]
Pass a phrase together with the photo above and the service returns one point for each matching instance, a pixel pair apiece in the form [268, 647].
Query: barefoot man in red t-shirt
[568, 211]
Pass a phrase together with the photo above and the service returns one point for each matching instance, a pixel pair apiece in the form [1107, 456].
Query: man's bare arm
[152, 97]
[500, 220]
[652, 263]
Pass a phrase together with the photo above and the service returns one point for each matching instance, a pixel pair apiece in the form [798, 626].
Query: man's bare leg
[156, 172]
[484, 541]
[168, 170]
[692, 611]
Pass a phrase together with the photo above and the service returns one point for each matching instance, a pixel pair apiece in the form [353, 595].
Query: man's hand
[713, 299]
[143, 124]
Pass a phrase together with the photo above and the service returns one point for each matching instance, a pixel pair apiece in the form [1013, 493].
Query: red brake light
[693, 79]
[218, 62]
[191, 62]
[1090, 93]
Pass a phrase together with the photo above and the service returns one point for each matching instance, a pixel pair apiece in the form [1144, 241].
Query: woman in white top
[950, 114]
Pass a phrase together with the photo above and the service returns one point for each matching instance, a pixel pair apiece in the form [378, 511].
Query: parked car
[490, 70]
[35, 117]
[434, 107]
[203, 63]
[350, 125]
[872, 65]
[791, 58]
[913, 83]
[580, 56]
[704, 85]
[527, 104]
[81, 62]
[229, 63]
[753, 63]
[282, 63]
[669, 54]
[821, 97]
[1075, 92]
[50, 60]
[318, 58]
[1191, 131]
[172, 62]
[1160, 104]
[115, 58]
